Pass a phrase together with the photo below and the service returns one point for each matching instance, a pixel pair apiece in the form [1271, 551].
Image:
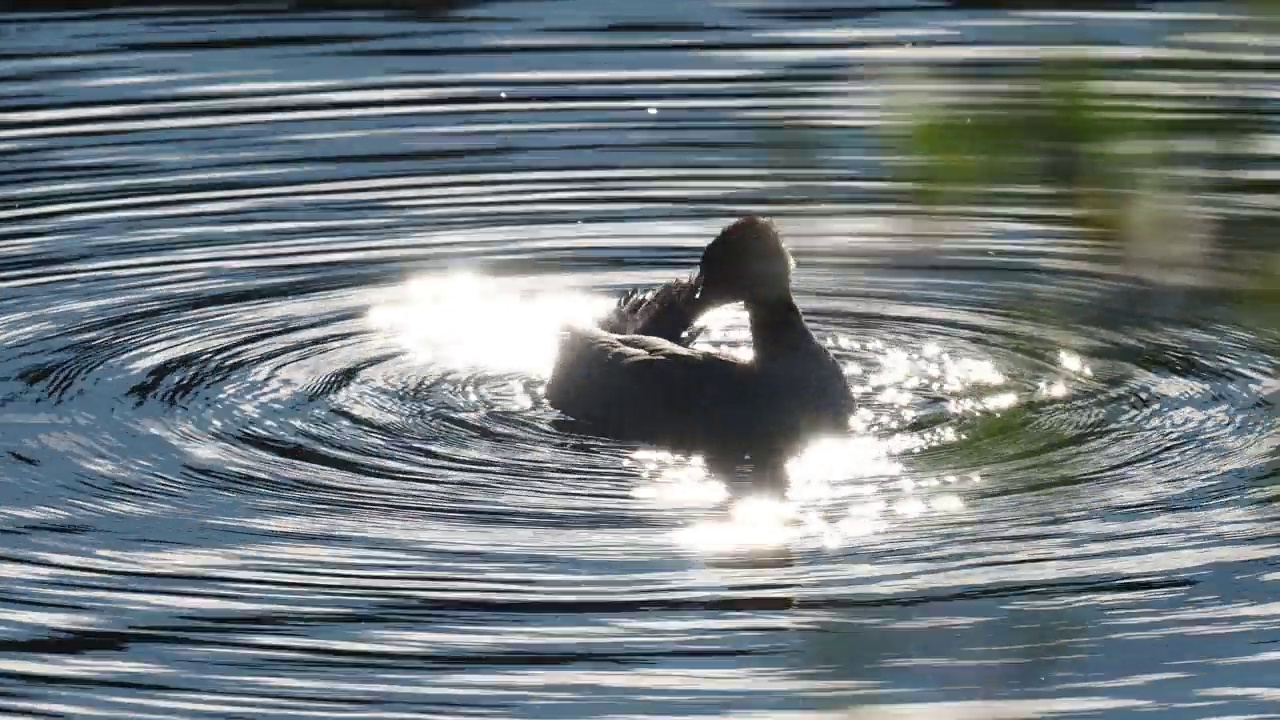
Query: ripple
[278, 306]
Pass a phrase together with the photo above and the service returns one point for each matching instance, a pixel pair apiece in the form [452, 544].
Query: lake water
[279, 290]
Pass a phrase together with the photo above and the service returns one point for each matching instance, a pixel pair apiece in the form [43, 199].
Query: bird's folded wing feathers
[667, 312]
[613, 379]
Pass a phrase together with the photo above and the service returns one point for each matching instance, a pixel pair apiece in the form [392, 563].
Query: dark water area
[279, 289]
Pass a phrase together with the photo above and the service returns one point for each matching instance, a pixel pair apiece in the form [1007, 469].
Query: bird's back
[646, 387]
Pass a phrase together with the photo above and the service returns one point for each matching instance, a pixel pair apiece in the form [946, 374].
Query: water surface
[279, 290]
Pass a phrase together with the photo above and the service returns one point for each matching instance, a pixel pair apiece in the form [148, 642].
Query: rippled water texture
[278, 293]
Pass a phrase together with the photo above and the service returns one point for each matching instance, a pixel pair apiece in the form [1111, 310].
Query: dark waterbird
[635, 376]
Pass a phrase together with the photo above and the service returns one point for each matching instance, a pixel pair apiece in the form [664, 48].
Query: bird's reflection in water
[823, 493]
[778, 500]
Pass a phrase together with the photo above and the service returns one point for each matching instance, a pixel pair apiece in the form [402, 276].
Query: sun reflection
[676, 480]
[910, 507]
[932, 368]
[725, 330]
[1074, 363]
[839, 490]
[469, 321]
[863, 519]
[753, 523]
[826, 461]
[842, 490]
[947, 503]
[1000, 401]
[1055, 390]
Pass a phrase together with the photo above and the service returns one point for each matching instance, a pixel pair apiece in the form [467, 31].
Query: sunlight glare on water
[752, 523]
[675, 480]
[838, 489]
[279, 287]
[470, 321]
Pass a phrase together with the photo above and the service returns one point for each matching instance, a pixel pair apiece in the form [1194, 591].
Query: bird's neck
[777, 327]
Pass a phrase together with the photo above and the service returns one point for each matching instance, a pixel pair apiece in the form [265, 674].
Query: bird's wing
[667, 312]
[640, 383]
